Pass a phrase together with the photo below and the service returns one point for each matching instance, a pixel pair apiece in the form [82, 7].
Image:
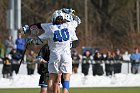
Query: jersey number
[61, 35]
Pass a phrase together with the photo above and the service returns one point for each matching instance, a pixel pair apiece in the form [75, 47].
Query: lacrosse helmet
[57, 15]
[68, 13]
[68, 10]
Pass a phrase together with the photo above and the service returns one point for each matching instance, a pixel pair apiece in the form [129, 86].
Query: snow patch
[22, 80]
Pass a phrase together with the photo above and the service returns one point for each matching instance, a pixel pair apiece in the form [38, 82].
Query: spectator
[135, 61]
[104, 57]
[118, 63]
[20, 42]
[86, 60]
[31, 59]
[126, 56]
[126, 59]
[15, 60]
[109, 68]
[9, 45]
[7, 68]
[97, 69]
[75, 61]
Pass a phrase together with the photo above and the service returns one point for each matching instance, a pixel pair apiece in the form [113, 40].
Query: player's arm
[41, 59]
[44, 61]
[71, 18]
[77, 19]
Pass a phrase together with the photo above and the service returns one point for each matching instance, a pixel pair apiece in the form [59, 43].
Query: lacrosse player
[59, 34]
[42, 68]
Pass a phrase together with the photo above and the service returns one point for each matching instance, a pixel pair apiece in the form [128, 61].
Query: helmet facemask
[58, 20]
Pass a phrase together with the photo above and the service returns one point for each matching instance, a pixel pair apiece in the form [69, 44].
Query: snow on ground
[77, 80]
[120, 80]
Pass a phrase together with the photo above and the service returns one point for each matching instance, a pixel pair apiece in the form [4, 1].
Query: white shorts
[60, 62]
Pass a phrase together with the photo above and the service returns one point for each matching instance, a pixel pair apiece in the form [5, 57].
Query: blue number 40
[61, 35]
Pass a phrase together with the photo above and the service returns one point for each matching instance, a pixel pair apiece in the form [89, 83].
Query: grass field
[77, 90]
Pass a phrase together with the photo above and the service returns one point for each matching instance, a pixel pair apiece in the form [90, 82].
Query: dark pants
[7, 71]
[75, 68]
[109, 68]
[43, 81]
[117, 68]
[135, 68]
[15, 68]
[85, 69]
[97, 69]
[30, 71]
[19, 51]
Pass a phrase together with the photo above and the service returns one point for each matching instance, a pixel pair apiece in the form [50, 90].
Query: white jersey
[59, 36]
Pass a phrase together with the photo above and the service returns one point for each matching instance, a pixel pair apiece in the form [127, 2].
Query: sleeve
[72, 24]
[72, 28]
[77, 19]
[47, 33]
[43, 36]
[45, 26]
[73, 36]
[16, 42]
[23, 41]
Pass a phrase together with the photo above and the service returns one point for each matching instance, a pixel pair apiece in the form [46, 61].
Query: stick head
[30, 30]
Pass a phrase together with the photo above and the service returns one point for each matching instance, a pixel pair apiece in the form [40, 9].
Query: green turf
[77, 90]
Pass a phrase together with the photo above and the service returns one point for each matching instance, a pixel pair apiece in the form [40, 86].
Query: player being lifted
[59, 34]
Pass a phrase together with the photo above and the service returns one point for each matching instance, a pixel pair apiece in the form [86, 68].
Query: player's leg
[53, 68]
[58, 88]
[43, 90]
[43, 83]
[53, 83]
[66, 82]
[57, 83]
[66, 69]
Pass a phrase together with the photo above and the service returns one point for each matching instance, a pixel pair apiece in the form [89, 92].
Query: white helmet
[56, 14]
[68, 13]
[68, 17]
[68, 10]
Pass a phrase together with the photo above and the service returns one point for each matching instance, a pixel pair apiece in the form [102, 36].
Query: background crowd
[112, 60]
